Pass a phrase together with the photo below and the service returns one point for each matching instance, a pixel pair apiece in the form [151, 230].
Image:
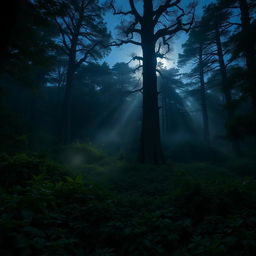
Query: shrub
[242, 167]
[21, 168]
[195, 152]
[77, 155]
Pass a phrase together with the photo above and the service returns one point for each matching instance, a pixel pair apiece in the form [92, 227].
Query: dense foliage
[116, 208]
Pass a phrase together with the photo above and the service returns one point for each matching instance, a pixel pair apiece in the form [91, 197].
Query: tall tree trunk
[164, 113]
[226, 91]
[248, 45]
[150, 147]
[67, 103]
[203, 97]
[223, 72]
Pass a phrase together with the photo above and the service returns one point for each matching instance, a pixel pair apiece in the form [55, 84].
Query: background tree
[198, 50]
[27, 56]
[83, 36]
[174, 116]
[216, 21]
[30, 49]
[243, 39]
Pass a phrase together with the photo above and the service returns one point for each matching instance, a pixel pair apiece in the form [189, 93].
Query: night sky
[123, 53]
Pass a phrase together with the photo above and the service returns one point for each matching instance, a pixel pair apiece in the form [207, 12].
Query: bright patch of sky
[125, 52]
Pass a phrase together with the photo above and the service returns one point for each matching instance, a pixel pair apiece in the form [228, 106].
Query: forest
[128, 128]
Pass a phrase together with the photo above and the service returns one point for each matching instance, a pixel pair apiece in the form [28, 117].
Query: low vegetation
[119, 208]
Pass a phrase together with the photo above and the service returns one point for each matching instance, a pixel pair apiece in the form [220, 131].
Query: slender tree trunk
[249, 50]
[203, 98]
[226, 90]
[223, 71]
[67, 103]
[150, 147]
[164, 114]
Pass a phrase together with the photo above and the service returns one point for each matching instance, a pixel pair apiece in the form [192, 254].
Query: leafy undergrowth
[110, 207]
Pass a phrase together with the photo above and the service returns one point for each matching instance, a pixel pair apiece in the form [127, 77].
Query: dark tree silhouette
[27, 45]
[198, 49]
[249, 43]
[174, 115]
[216, 21]
[155, 23]
[244, 40]
[83, 36]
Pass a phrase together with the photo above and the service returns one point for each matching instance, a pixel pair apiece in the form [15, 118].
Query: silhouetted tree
[29, 51]
[27, 57]
[156, 22]
[243, 41]
[198, 49]
[175, 117]
[248, 41]
[83, 37]
[216, 21]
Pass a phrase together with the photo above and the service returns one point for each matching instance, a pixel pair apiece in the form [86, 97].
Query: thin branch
[67, 26]
[122, 42]
[162, 8]
[132, 29]
[71, 17]
[134, 58]
[134, 11]
[174, 28]
[134, 91]
[137, 68]
[63, 35]
[87, 53]
[118, 12]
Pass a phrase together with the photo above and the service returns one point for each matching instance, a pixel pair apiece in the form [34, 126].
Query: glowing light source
[165, 63]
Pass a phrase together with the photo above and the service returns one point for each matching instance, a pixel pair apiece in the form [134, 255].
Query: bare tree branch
[87, 53]
[118, 12]
[176, 27]
[137, 68]
[63, 35]
[70, 30]
[134, 11]
[134, 58]
[134, 91]
[162, 8]
[122, 42]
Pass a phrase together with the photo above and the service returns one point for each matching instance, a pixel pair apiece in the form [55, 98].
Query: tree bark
[67, 102]
[203, 98]
[164, 112]
[226, 90]
[223, 71]
[150, 146]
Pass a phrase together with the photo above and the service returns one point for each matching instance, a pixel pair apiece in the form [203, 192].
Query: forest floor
[92, 204]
